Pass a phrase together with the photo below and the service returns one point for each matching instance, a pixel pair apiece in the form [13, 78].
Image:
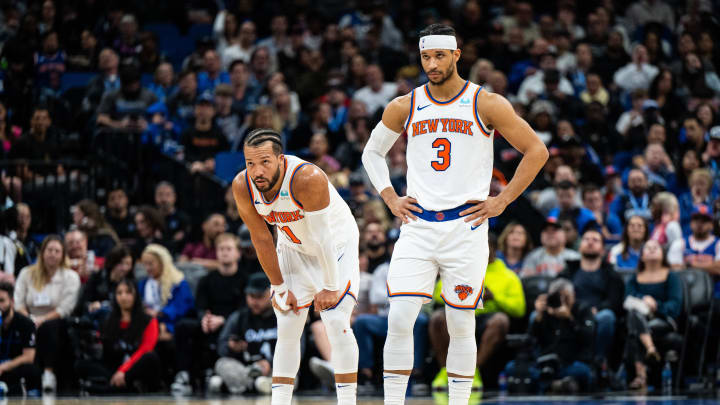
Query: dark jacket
[614, 291]
[571, 339]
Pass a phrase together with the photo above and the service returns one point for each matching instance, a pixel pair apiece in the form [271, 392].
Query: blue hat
[701, 211]
[205, 98]
[552, 220]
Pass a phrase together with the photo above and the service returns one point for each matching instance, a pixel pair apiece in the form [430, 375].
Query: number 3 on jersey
[443, 153]
[289, 233]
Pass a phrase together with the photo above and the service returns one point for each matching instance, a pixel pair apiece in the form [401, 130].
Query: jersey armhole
[290, 185]
[412, 108]
[478, 121]
[247, 183]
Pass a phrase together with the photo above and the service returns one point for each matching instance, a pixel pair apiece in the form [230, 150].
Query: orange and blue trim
[262, 197]
[406, 294]
[345, 293]
[412, 108]
[250, 190]
[477, 116]
[292, 177]
[471, 306]
[442, 103]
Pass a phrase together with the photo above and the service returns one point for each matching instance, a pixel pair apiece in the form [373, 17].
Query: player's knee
[460, 323]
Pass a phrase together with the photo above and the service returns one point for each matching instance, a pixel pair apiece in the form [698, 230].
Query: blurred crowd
[140, 292]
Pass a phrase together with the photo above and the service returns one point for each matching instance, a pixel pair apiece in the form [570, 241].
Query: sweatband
[279, 292]
[438, 42]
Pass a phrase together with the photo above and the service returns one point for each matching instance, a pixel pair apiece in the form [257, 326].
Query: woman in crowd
[654, 292]
[514, 244]
[101, 236]
[128, 339]
[97, 295]
[665, 211]
[47, 292]
[700, 185]
[625, 255]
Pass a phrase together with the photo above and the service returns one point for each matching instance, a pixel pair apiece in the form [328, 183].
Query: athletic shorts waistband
[442, 216]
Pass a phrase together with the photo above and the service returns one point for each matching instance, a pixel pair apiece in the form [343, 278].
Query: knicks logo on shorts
[463, 291]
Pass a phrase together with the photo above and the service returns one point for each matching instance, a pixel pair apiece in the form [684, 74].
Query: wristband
[280, 294]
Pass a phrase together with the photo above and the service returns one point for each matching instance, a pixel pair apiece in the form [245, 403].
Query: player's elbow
[540, 152]
[368, 155]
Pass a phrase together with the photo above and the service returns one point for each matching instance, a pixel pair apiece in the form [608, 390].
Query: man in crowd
[550, 258]
[203, 140]
[177, 222]
[118, 215]
[18, 341]
[203, 252]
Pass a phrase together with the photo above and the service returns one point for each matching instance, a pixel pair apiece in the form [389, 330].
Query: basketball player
[450, 124]
[316, 259]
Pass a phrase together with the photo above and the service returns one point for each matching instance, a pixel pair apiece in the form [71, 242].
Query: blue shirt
[584, 217]
[204, 83]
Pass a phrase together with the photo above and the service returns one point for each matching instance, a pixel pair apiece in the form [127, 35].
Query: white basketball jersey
[287, 214]
[449, 149]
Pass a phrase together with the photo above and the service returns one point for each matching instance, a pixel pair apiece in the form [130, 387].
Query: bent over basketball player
[450, 125]
[316, 259]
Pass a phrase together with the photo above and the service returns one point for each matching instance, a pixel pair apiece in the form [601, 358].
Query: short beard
[272, 182]
[445, 78]
[591, 256]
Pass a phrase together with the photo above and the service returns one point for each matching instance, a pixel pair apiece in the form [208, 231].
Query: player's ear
[456, 54]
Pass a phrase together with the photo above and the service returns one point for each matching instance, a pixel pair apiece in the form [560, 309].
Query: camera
[554, 300]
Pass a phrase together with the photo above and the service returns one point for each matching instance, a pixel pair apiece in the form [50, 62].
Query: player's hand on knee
[483, 210]
[403, 208]
[325, 299]
[290, 301]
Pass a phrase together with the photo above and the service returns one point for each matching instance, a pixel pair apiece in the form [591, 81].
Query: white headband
[438, 42]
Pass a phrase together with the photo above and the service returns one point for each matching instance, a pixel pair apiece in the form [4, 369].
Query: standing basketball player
[316, 259]
[450, 125]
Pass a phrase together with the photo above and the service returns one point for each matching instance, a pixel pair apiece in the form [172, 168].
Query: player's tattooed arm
[499, 114]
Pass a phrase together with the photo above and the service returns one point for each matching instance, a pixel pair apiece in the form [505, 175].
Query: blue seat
[75, 79]
[228, 164]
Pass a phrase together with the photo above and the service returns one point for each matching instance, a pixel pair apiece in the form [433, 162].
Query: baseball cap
[244, 235]
[257, 283]
[715, 133]
[701, 211]
[650, 104]
[205, 98]
[552, 220]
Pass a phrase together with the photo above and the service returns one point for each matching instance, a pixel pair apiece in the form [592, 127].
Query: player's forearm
[388, 195]
[381, 140]
[530, 165]
[268, 259]
[319, 226]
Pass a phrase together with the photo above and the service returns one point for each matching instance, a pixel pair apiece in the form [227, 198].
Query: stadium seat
[75, 79]
[228, 164]
[698, 298]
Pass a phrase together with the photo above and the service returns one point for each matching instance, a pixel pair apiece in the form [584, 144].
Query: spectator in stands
[88, 218]
[243, 95]
[203, 140]
[228, 122]
[598, 287]
[694, 134]
[249, 262]
[80, 259]
[658, 166]
[700, 188]
[550, 258]
[177, 222]
[247, 341]
[242, 48]
[41, 143]
[637, 74]
[567, 196]
[635, 200]
[232, 217]
[107, 81]
[165, 293]
[213, 73]
[625, 256]
[655, 292]
[149, 225]
[319, 156]
[181, 104]
[665, 212]
[514, 244]
[377, 93]
[129, 335]
[610, 224]
[47, 292]
[9, 134]
[18, 354]
[163, 85]
[124, 109]
[374, 240]
[225, 30]
[27, 247]
[50, 63]
[128, 43]
[118, 215]
[218, 295]
[260, 66]
[564, 329]
[85, 58]
[97, 294]
[633, 118]
[547, 198]
[700, 249]
[663, 91]
[203, 252]
[503, 298]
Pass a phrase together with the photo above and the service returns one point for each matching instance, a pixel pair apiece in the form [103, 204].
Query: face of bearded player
[439, 64]
[263, 165]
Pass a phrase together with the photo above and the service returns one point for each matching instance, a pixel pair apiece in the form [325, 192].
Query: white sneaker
[323, 370]
[181, 385]
[263, 385]
[215, 385]
[49, 382]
